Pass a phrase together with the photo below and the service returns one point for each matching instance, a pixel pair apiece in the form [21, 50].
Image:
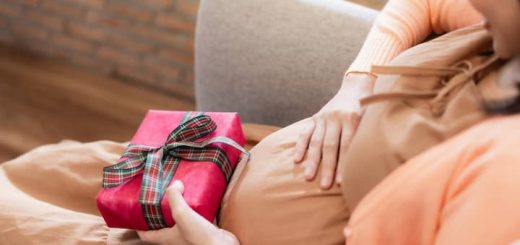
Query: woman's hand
[190, 227]
[326, 139]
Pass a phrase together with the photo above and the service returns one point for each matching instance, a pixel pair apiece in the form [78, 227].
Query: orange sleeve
[405, 23]
[463, 191]
[482, 204]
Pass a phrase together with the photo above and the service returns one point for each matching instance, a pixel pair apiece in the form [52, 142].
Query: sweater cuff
[378, 49]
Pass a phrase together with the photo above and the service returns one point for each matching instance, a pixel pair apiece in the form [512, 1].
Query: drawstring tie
[452, 78]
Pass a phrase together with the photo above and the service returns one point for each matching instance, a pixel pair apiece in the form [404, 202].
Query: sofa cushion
[275, 62]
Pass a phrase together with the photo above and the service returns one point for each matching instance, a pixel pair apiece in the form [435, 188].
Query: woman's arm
[400, 25]
[403, 24]
[190, 227]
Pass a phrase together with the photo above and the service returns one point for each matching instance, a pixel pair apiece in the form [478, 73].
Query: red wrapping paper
[204, 183]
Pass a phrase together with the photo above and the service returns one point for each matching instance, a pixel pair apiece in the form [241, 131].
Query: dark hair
[504, 107]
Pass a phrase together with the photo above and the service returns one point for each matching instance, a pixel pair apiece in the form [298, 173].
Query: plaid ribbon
[158, 164]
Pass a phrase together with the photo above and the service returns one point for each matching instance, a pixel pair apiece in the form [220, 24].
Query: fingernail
[177, 183]
[347, 232]
[325, 182]
[307, 172]
[297, 157]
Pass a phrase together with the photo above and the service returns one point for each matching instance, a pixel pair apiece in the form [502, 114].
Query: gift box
[200, 149]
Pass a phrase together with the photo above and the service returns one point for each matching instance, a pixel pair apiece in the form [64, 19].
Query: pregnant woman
[463, 191]
[48, 194]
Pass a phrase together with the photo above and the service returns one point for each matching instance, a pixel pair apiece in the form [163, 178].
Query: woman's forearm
[357, 85]
[403, 24]
[400, 25]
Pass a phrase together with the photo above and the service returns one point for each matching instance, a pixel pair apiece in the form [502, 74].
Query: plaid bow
[158, 164]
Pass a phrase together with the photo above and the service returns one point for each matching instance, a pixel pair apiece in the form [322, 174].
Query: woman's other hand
[190, 227]
[325, 141]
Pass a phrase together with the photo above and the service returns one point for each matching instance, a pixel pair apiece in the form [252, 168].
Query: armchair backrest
[275, 62]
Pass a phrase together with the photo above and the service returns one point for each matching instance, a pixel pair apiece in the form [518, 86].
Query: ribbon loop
[195, 128]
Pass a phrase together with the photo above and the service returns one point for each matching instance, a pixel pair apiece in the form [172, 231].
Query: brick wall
[147, 42]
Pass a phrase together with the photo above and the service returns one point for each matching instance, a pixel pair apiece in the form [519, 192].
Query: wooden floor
[43, 101]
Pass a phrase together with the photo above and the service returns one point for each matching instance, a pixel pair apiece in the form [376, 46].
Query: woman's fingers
[314, 151]
[303, 141]
[339, 170]
[346, 136]
[190, 227]
[327, 137]
[330, 152]
[349, 127]
[178, 205]
[193, 227]
[169, 235]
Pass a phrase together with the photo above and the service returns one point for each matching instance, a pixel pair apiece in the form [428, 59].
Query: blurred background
[89, 69]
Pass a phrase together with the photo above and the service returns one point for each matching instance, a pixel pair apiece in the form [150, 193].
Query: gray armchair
[275, 61]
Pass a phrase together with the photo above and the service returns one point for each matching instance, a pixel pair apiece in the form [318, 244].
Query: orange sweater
[405, 23]
[464, 191]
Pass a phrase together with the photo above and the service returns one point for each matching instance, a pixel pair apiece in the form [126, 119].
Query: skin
[502, 18]
[190, 227]
[331, 129]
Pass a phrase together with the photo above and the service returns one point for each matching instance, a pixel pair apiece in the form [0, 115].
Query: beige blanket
[49, 194]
